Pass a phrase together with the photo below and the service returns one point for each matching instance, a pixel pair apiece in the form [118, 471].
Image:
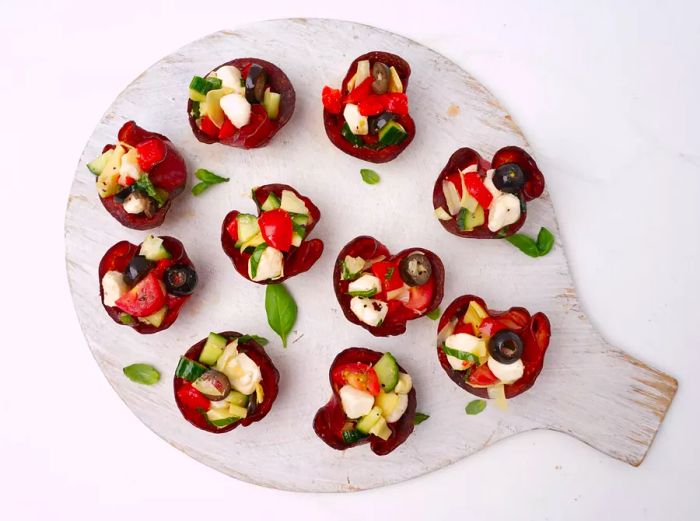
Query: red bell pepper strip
[396, 102]
[150, 152]
[388, 275]
[332, 100]
[372, 105]
[276, 228]
[208, 127]
[192, 398]
[360, 92]
[477, 189]
[227, 129]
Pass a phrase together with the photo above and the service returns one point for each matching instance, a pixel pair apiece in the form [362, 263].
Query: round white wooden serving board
[587, 389]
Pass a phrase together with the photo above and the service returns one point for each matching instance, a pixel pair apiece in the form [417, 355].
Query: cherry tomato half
[360, 376]
[276, 228]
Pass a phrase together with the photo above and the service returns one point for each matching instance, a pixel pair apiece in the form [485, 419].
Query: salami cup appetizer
[138, 177]
[373, 401]
[224, 381]
[475, 198]
[380, 291]
[492, 354]
[145, 286]
[273, 246]
[242, 103]
[368, 116]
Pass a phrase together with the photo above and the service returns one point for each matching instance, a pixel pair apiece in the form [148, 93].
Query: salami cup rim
[269, 382]
[534, 330]
[330, 419]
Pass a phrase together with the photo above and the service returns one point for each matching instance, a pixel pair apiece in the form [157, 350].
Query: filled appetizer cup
[273, 246]
[224, 381]
[373, 401]
[475, 198]
[368, 116]
[139, 177]
[144, 286]
[242, 103]
[492, 354]
[380, 291]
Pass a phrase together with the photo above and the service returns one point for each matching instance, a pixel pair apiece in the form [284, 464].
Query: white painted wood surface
[587, 389]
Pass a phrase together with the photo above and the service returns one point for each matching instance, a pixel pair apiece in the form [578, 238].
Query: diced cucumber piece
[349, 136]
[255, 259]
[387, 371]
[212, 349]
[381, 429]
[271, 102]
[300, 219]
[298, 234]
[237, 411]
[271, 203]
[152, 248]
[352, 266]
[97, 165]
[292, 203]
[224, 422]
[352, 436]
[155, 319]
[253, 242]
[189, 370]
[196, 114]
[247, 227]
[368, 421]
[236, 398]
[392, 133]
[200, 86]
[467, 221]
[221, 417]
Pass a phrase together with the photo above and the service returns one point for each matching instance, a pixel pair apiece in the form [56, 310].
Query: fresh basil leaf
[349, 136]
[369, 176]
[545, 241]
[434, 314]
[142, 373]
[525, 244]
[475, 407]
[255, 259]
[461, 355]
[420, 418]
[209, 177]
[281, 310]
[144, 184]
[255, 338]
[366, 293]
[199, 188]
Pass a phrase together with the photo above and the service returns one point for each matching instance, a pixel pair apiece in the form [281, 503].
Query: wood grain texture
[588, 389]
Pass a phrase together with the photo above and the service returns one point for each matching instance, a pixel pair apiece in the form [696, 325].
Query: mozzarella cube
[135, 205]
[369, 311]
[237, 109]
[356, 121]
[367, 285]
[230, 77]
[113, 287]
[463, 342]
[488, 183]
[243, 373]
[504, 210]
[398, 411]
[404, 385]
[129, 167]
[271, 265]
[356, 403]
[506, 373]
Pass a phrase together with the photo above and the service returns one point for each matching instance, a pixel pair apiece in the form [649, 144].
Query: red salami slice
[330, 419]
[261, 128]
[534, 331]
[118, 257]
[398, 315]
[297, 260]
[334, 122]
[269, 382]
[466, 157]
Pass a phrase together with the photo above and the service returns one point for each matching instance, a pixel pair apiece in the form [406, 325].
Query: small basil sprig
[369, 176]
[142, 373]
[207, 179]
[144, 184]
[420, 418]
[475, 407]
[434, 314]
[255, 338]
[281, 310]
[542, 246]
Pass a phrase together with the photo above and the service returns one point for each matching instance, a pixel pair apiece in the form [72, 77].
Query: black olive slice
[509, 178]
[255, 84]
[121, 196]
[180, 280]
[252, 402]
[415, 269]
[506, 347]
[376, 123]
[380, 74]
[213, 384]
[138, 268]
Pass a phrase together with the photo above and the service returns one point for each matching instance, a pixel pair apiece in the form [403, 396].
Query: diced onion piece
[441, 214]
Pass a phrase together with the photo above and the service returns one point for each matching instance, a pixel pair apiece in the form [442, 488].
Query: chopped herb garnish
[420, 418]
[144, 184]
[475, 407]
[389, 273]
[369, 176]
[142, 373]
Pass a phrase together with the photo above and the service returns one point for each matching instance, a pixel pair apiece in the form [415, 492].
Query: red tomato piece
[396, 102]
[144, 299]
[150, 152]
[490, 326]
[482, 376]
[192, 398]
[129, 181]
[358, 375]
[456, 179]
[227, 129]
[360, 92]
[371, 105]
[477, 189]
[463, 327]
[244, 71]
[332, 100]
[276, 228]
[421, 296]
[208, 127]
[388, 274]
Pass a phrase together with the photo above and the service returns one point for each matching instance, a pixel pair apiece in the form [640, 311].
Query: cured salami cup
[273, 246]
[368, 116]
[242, 103]
[482, 200]
[382, 292]
[492, 354]
[225, 380]
[145, 286]
[373, 402]
[139, 177]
